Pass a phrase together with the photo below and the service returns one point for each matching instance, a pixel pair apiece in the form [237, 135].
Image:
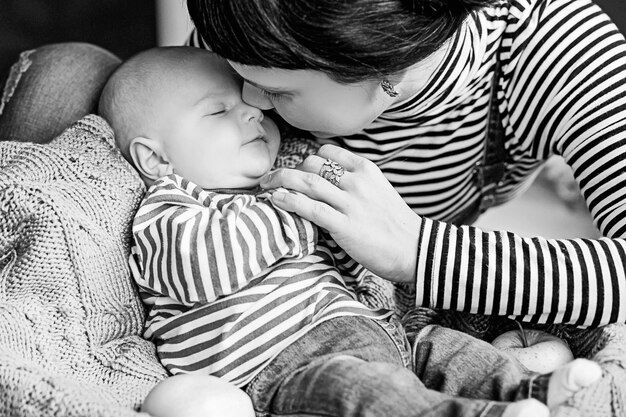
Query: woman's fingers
[307, 179]
[311, 182]
[316, 211]
[357, 171]
[363, 212]
[315, 164]
[345, 158]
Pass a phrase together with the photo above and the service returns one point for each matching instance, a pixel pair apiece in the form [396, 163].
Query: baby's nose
[251, 113]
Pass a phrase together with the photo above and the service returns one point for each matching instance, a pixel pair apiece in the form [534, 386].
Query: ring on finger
[331, 171]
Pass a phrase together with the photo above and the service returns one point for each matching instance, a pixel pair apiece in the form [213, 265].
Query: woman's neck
[419, 75]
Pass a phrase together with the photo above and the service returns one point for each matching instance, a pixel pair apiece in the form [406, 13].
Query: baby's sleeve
[196, 246]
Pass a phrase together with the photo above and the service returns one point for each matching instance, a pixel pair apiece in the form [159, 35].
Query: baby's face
[209, 134]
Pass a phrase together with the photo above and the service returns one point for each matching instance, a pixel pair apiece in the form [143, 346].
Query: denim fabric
[352, 366]
[396, 333]
[51, 87]
[453, 362]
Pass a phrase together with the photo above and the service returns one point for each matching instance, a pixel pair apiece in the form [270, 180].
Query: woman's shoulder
[529, 15]
[515, 14]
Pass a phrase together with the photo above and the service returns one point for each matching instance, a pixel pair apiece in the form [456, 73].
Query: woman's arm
[196, 246]
[577, 281]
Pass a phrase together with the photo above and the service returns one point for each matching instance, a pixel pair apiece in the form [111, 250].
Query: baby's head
[179, 110]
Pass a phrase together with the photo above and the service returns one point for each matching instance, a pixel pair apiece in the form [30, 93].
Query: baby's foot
[526, 408]
[571, 378]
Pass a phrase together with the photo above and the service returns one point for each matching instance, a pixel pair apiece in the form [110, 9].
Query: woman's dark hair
[350, 40]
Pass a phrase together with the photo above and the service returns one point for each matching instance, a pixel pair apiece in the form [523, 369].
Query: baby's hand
[196, 395]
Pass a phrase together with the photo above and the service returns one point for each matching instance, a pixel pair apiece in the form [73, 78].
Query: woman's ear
[149, 158]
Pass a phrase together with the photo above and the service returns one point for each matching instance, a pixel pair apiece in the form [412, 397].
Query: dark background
[616, 9]
[121, 26]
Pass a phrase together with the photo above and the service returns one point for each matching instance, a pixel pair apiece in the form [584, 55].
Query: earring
[388, 88]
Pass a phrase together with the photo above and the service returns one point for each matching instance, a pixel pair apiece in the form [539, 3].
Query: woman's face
[312, 101]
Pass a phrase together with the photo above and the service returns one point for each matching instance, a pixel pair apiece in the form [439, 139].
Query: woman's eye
[271, 96]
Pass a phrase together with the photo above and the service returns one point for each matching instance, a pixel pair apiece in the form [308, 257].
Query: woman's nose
[254, 97]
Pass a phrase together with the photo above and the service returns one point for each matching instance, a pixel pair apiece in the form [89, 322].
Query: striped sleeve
[196, 246]
[574, 281]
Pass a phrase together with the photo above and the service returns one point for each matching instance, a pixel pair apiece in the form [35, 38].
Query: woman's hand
[364, 214]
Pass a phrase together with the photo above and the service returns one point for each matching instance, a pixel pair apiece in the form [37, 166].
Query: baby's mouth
[260, 136]
[256, 138]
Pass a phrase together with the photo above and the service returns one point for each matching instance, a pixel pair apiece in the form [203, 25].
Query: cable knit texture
[70, 318]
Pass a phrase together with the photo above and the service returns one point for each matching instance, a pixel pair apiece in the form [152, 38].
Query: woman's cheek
[304, 120]
[327, 122]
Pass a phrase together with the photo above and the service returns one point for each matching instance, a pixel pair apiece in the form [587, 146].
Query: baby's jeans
[51, 87]
[353, 366]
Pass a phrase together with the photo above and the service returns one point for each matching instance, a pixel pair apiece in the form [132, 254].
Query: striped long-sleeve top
[561, 91]
[230, 280]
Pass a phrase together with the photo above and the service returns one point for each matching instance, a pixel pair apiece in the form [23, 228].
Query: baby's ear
[149, 158]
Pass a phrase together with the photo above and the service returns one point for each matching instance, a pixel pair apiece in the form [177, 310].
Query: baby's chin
[241, 182]
[252, 181]
[248, 180]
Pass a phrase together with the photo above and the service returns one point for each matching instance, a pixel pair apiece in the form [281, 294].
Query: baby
[241, 290]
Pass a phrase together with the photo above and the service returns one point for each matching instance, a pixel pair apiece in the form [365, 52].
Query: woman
[439, 111]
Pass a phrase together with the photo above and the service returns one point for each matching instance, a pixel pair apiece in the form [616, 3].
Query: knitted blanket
[70, 318]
